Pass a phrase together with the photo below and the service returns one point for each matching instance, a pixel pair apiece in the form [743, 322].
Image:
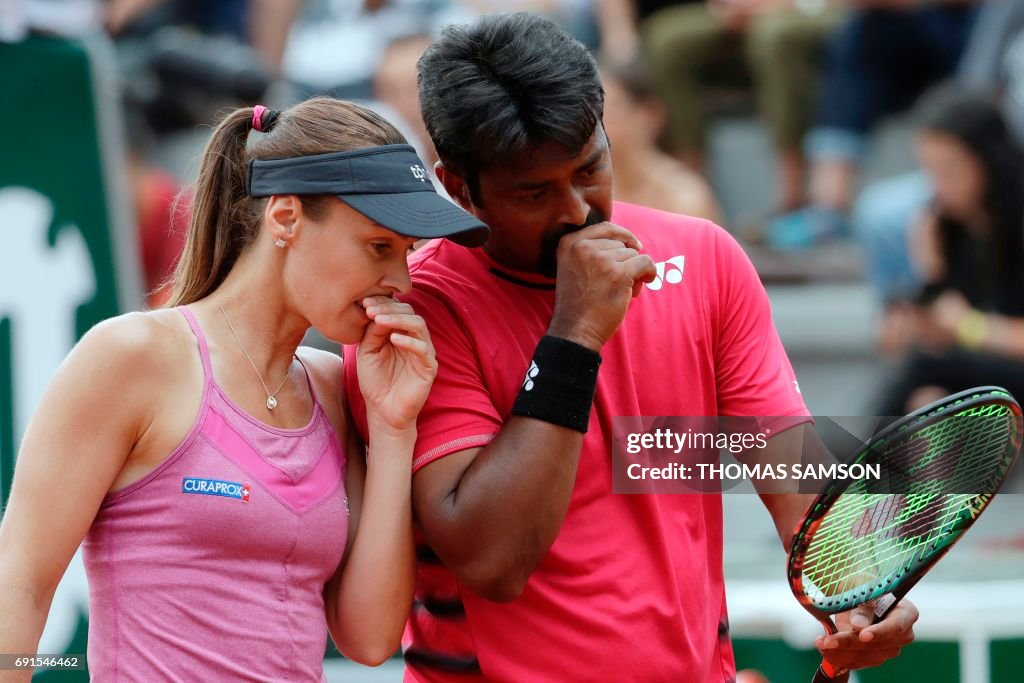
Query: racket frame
[916, 421]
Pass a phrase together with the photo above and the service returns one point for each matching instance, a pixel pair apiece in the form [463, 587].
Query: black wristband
[560, 384]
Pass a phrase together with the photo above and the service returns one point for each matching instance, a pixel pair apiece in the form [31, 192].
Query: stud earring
[280, 243]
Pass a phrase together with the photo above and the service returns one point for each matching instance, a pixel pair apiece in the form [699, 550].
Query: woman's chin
[344, 337]
[346, 329]
[347, 334]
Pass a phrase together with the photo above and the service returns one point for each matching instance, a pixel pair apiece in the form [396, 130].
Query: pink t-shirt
[632, 588]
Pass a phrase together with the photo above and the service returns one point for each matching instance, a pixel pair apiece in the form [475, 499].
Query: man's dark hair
[505, 84]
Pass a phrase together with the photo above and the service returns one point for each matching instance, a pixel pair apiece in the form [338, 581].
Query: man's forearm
[796, 445]
[787, 511]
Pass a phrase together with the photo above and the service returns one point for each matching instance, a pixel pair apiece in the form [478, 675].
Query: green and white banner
[68, 251]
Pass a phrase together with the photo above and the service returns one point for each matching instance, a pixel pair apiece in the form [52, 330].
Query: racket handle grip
[821, 677]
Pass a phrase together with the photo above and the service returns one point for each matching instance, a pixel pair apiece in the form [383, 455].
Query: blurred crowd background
[865, 152]
[871, 143]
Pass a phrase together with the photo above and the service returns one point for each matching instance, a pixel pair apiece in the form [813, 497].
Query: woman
[207, 461]
[967, 325]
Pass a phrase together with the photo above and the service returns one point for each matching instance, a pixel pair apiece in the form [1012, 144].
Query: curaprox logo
[215, 487]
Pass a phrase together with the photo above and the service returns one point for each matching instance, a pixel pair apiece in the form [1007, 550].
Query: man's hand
[859, 644]
[599, 271]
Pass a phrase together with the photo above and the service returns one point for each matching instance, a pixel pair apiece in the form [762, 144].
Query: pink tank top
[212, 567]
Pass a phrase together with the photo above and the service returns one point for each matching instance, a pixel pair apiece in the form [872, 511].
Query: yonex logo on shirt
[670, 271]
[419, 173]
[215, 487]
[530, 375]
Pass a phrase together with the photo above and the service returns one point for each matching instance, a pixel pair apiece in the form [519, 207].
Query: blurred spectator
[394, 85]
[162, 218]
[993, 62]
[262, 24]
[59, 17]
[633, 118]
[966, 328]
[576, 16]
[184, 59]
[691, 43]
[335, 45]
[879, 61]
[367, 49]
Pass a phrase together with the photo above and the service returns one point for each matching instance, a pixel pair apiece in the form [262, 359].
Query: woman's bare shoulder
[138, 340]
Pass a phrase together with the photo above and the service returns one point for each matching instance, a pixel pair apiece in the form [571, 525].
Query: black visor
[387, 184]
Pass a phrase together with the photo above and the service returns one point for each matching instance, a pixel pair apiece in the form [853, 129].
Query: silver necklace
[271, 400]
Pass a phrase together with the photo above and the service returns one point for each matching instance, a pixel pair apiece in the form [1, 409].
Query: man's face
[546, 193]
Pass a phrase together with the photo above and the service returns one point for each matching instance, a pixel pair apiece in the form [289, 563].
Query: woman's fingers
[409, 323]
[381, 304]
[418, 347]
[396, 322]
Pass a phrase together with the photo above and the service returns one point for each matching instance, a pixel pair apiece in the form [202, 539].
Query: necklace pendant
[271, 402]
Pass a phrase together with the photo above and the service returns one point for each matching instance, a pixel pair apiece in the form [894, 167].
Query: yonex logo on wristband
[530, 375]
[566, 395]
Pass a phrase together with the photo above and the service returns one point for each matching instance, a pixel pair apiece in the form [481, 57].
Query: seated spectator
[878, 63]
[966, 326]
[993, 62]
[691, 44]
[633, 119]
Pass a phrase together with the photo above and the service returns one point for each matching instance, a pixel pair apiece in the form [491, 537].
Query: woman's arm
[76, 443]
[368, 600]
[369, 597]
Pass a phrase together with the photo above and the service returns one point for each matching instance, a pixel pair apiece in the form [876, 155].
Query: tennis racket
[863, 540]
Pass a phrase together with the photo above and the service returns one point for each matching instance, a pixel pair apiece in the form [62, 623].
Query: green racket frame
[962, 510]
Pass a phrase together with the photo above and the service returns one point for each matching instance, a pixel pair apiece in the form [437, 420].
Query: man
[530, 569]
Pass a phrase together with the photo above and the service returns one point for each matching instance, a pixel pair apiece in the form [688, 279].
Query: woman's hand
[396, 364]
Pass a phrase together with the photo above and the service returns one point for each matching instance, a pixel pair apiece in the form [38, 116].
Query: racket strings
[869, 538]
